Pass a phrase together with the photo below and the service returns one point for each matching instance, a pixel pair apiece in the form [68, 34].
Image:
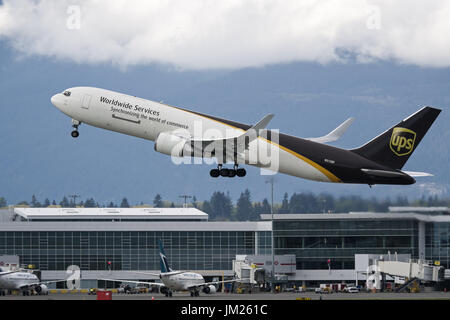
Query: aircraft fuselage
[280, 152]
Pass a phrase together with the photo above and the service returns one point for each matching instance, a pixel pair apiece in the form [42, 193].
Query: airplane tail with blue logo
[394, 147]
[163, 259]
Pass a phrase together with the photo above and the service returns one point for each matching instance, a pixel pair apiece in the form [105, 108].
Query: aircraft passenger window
[67, 93]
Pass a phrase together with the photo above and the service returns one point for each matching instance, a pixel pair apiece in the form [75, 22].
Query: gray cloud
[202, 34]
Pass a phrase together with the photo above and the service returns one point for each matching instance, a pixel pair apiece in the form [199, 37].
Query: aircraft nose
[53, 99]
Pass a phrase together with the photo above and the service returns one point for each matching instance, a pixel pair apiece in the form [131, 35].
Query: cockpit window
[67, 93]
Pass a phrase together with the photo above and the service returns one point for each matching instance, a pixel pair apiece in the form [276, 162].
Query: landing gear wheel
[196, 293]
[232, 173]
[75, 134]
[192, 294]
[214, 173]
[241, 172]
[224, 172]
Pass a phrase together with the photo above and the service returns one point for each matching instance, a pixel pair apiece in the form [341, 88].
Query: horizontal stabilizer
[383, 173]
[418, 174]
[335, 134]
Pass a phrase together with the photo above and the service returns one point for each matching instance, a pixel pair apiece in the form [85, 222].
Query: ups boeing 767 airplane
[186, 134]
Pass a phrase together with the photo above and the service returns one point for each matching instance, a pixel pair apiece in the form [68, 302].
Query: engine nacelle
[163, 290]
[41, 289]
[171, 145]
[210, 289]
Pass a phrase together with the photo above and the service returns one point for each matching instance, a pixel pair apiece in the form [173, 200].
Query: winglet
[262, 124]
[335, 134]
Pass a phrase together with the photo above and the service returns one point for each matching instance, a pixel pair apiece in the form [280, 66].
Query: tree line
[220, 206]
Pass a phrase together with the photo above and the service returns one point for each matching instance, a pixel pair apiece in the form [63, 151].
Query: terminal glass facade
[132, 250]
[437, 243]
[314, 242]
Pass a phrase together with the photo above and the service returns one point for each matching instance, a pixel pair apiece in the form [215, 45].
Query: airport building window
[193, 250]
[315, 241]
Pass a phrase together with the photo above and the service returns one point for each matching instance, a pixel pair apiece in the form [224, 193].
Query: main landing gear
[75, 124]
[195, 293]
[224, 172]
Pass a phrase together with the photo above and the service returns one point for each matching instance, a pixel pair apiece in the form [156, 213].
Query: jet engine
[41, 289]
[172, 145]
[210, 289]
[163, 290]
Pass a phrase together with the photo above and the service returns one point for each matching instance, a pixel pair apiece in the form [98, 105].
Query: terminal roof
[111, 214]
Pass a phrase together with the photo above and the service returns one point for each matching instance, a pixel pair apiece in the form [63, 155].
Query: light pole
[74, 196]
[185, 196]
[271, 180]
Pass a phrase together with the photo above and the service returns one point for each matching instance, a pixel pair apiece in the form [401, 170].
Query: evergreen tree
[53, 203]
[244, 208]
[90, 203]
[304, 203]
[194, 202]
[284, 204]
[2, 202]
[46, 203]
[124, 203]
[64, 203]
[257, 211]
[157, 202]
[221, 206]
[266, 208]
[34, 203]
[326, 202]
[206, 207]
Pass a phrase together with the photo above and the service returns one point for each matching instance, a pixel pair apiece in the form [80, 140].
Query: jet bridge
[413, 271]
[418, 269]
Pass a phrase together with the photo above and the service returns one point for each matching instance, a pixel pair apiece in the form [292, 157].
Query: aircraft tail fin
[164, 262]
[394, 147]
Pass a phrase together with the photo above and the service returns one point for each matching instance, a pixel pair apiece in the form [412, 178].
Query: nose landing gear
[224, 172]
[75, 124]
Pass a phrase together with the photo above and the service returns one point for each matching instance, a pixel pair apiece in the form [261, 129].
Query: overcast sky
[202, 34]
[311, 63]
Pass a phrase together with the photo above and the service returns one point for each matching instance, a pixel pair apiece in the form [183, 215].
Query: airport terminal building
[112, 242]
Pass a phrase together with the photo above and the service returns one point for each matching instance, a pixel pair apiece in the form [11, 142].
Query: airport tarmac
[434, 295]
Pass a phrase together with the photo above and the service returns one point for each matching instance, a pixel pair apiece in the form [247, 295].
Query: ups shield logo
[402, 141]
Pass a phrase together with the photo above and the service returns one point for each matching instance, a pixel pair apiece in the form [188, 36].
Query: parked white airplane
[177, 280]
[187, 134]
[24, 281]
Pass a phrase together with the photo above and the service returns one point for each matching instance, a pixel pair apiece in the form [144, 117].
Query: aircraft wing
[335, 134]
[160, 274]
[30, 285]
[156, 284]
[7, 272]
[148, 273]
[233, 146]
[205, 284]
